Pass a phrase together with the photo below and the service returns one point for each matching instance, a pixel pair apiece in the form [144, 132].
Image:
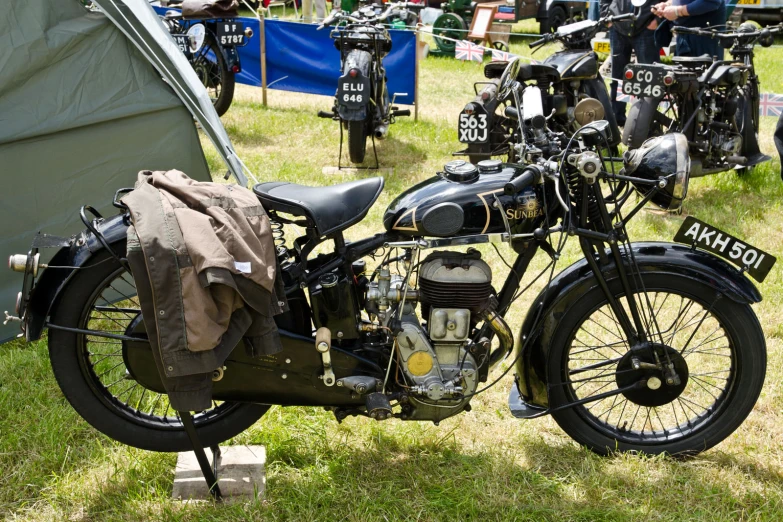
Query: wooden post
[263, 60]
[307, 10]
[416, 81]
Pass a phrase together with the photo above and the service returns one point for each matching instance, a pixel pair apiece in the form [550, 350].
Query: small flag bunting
[468, 51]
[500, 56]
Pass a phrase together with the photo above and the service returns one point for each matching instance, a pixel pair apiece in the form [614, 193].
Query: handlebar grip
[540, 41]
[511, 112]
[621, 17]
[529, 176]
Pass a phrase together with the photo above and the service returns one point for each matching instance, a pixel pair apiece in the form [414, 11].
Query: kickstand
[340, 156]
[210, 472]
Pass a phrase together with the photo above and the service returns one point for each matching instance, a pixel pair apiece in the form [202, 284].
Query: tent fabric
[81, 113]
[144, 28]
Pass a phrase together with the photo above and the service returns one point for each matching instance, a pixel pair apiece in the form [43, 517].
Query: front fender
[574, 281]
[83, 247]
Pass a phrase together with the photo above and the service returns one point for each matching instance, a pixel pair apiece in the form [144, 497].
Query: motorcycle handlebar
[617, 18]
[540, 41]
[511, 112]
[712, 33]
[530, 176]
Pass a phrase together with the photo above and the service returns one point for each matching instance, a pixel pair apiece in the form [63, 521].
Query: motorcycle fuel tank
[574, 65]
[464, 200]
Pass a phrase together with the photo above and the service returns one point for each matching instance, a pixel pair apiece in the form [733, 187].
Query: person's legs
[621, 55]
[320, 9]
[645, 48]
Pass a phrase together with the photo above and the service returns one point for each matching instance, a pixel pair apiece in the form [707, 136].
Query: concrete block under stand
[240, 474]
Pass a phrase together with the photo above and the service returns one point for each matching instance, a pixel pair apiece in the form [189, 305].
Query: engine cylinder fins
[455, 280]
[443, 220]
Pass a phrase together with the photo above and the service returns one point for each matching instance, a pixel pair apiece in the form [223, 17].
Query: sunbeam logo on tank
[527, 208]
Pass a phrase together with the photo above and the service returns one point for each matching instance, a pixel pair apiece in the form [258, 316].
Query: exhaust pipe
[505, 337]
[381, 131]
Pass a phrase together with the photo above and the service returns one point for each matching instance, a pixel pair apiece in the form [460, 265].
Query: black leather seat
[328, 209]
[527, 71]
[693, 61]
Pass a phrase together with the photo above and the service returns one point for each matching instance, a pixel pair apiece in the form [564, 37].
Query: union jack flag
[468, 51]
[770, 104]
[500, 56]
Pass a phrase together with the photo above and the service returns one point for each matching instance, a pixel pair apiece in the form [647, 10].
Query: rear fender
[83, 247]
[577, 279]
[596, 88]
[362, 61]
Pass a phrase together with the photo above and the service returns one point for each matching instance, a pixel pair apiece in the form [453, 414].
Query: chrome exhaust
[381, 131]
[505, 337]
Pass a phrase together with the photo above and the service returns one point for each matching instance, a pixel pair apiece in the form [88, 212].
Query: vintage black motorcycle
[362, 104]
[574, 94]
[714, 103]
[210, 45]
[649, 347]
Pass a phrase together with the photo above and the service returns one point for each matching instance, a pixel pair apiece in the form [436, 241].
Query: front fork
[638, 334]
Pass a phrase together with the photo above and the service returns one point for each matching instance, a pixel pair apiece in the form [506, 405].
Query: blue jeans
[622, 45]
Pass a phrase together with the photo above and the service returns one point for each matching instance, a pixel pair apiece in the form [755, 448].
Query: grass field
[483, 465]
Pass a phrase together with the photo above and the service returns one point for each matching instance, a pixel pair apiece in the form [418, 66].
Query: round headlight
[664, 160]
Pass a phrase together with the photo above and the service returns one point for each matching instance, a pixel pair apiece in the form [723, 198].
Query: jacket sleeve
[700, 7]
[605, 5]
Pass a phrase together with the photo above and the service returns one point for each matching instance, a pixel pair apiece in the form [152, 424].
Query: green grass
[481, 465]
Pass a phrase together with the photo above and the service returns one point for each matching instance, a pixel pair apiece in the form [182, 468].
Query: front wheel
[715, 346]
[357, 140]
[92, 373]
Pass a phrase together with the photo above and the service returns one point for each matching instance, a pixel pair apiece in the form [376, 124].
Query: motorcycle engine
[438, 365]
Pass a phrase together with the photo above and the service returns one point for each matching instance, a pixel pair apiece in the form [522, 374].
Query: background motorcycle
[715, 103]
[362, 103]
[210, 46]
[648, 347]
[574, 94]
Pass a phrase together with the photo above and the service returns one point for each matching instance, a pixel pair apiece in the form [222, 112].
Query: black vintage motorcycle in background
[649, 347]
[573, 94]
[210, 46]
[714, 103]
[362, 104]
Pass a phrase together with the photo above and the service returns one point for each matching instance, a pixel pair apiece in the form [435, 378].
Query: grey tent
[88, 99]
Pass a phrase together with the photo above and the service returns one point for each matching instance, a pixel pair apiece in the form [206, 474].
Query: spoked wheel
[212, 69]
[451, 27]
[93, 374]
[713, 345]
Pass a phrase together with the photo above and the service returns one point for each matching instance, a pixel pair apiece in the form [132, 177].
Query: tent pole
[262, 20]
[307, 11]
[416, 81]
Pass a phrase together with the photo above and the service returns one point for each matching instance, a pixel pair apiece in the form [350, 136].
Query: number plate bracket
[230, 33]
[353, 92]
[750, 259]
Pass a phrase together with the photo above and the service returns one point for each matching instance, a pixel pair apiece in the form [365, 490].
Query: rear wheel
[357, 140]
[715, 345]
[212, 69]
[92, 373]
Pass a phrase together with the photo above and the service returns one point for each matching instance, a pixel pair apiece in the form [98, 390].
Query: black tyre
[640, 123]
[212, 69]
[717, 348]
[357, 140]
[555, 18]
[92, 375]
